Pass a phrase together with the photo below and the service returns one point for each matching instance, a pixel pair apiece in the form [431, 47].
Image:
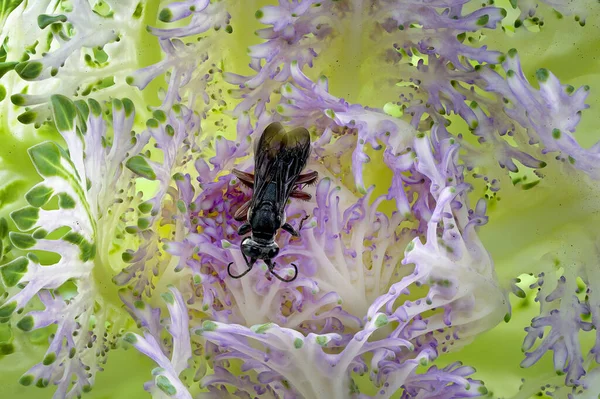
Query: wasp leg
[307, 178]
[242, 213]
[305, 218]
[288, 227]
[239, 275]
[249, 264]
[301, 195]
[272, 267]
[244, 229]
[245, 177]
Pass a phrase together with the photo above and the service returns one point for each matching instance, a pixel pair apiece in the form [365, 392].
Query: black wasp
[279, 157]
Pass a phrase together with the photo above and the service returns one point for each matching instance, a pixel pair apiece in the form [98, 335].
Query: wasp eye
[273, 252]
[251, 249]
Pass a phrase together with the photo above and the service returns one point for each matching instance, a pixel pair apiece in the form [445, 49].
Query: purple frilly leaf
[173, 133]
[192, 66]
[567, 309]
[354, 307]
[79, 54]
[299, 32]
[173, 360]
[550, 114]
[451, 381]
[534, 14]
[83, 334]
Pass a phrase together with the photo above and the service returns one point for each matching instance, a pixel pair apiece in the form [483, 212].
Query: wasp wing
[279, 158]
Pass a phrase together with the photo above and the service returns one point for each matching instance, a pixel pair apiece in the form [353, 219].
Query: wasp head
[255, 250]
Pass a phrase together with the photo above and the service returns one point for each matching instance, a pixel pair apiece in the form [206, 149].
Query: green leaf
[21, 240]
[42, 383]
[18, 100]
[170, 130]
[39, 195]
[39, 234]
[6, 7]
[26, 218]
[126, 256]
[44, 20]
[145, 207]
[29, 70]
[381, 321]
[129, 107]
[143, 223]
[26, 380]
[160, 116]
[8, 309]
[6, 348]
[95, 107]
[11, 192]
[140, 166]
[165, 385]
[165, 15]
[117, 104]
[138, 11]
[27, 117]
[83, 111]
[484, 19]
[209, 326]
[168, 298]
[542, 74]
[46, 159]
[152, 123]
[26, 324]
[556, 133]
[12, 272]
[6, 67]
[3, 228]
[261, 328]
[64, 112]
[49, 358]
[65, 201]
[88, 249]
[130, 338]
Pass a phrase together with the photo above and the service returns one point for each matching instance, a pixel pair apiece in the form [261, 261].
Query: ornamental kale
[455, 202]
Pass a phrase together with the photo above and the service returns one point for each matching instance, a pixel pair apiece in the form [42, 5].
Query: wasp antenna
[305, 218]
[239, 275]
[283, 279]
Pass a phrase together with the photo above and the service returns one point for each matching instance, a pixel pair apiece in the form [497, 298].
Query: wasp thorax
[265, 220]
